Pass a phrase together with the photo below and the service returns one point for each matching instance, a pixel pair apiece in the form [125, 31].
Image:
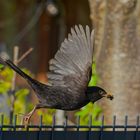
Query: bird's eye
[101, 92]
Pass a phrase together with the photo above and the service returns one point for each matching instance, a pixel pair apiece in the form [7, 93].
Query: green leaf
[19, 106]
[94, 77]
[85, 112]
[4, 87]
[21, 95]
[1, 66]
[22, 92]
[47, 117]
[7, 73]
[93, 81]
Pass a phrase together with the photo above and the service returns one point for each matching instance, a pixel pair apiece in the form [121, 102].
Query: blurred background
[43, 25]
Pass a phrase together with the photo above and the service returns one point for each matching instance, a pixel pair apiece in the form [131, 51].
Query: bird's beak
[109, 96]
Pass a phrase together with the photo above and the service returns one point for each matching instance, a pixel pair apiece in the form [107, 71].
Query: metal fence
[70, 132]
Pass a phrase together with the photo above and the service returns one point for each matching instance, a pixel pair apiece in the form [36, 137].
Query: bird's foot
[26, 119]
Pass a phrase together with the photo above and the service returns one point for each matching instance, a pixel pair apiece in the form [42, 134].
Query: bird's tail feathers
[5, 61]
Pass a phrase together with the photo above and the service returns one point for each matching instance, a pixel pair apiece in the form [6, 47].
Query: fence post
[53, 127]
[102, 128]
[1, 126]
[15, 122]
[137, 127]
[89, 125]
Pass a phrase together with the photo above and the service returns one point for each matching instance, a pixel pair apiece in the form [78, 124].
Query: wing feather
[72, 63]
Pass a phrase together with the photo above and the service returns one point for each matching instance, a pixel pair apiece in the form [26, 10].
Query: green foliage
[1, 66]
[6, 75]
[94, 77]
[4, 87]
[5, 80]
[48, 116]
[21, 100]
[90, 109]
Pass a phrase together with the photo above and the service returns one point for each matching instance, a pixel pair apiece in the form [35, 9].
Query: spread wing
[72, 63]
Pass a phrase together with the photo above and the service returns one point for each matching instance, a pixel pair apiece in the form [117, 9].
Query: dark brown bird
[69, 75]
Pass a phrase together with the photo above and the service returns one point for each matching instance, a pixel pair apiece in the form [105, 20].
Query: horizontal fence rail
[70, 132]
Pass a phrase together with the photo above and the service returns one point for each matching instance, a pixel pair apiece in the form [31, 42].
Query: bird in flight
[68, 76]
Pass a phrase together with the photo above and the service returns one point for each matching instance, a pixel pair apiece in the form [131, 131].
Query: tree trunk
[117, 53]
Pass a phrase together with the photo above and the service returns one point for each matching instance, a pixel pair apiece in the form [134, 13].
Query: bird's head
[95, 93]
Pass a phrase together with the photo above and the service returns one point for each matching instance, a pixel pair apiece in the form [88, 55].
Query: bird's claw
[27, 117]
[26, 120]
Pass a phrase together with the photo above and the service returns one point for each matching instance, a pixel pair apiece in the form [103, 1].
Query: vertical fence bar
[1, 127]
[78, 125]
[53, 127]
[114, 123]
[15, 122]
[114, 126]
[77, 122]
[40, 123]
[40, 126]
[137, 127]
[126, 122]
[102, 128]
[125, 126]
[27, 126]
[90, 122]
[65, 126]
[2, 121]
[89, 126]
[66, 123]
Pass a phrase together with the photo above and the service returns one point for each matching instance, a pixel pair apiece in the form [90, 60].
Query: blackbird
[68, 76]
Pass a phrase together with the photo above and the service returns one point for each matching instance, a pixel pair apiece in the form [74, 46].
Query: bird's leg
[28, 116]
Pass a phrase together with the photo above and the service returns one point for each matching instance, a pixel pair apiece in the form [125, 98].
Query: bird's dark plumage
[69, 74]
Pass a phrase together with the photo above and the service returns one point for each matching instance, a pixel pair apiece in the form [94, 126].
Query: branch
[24, 55]
[16, 61]
[12, 91]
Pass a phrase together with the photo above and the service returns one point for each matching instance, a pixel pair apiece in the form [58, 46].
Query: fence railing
[70, 132]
